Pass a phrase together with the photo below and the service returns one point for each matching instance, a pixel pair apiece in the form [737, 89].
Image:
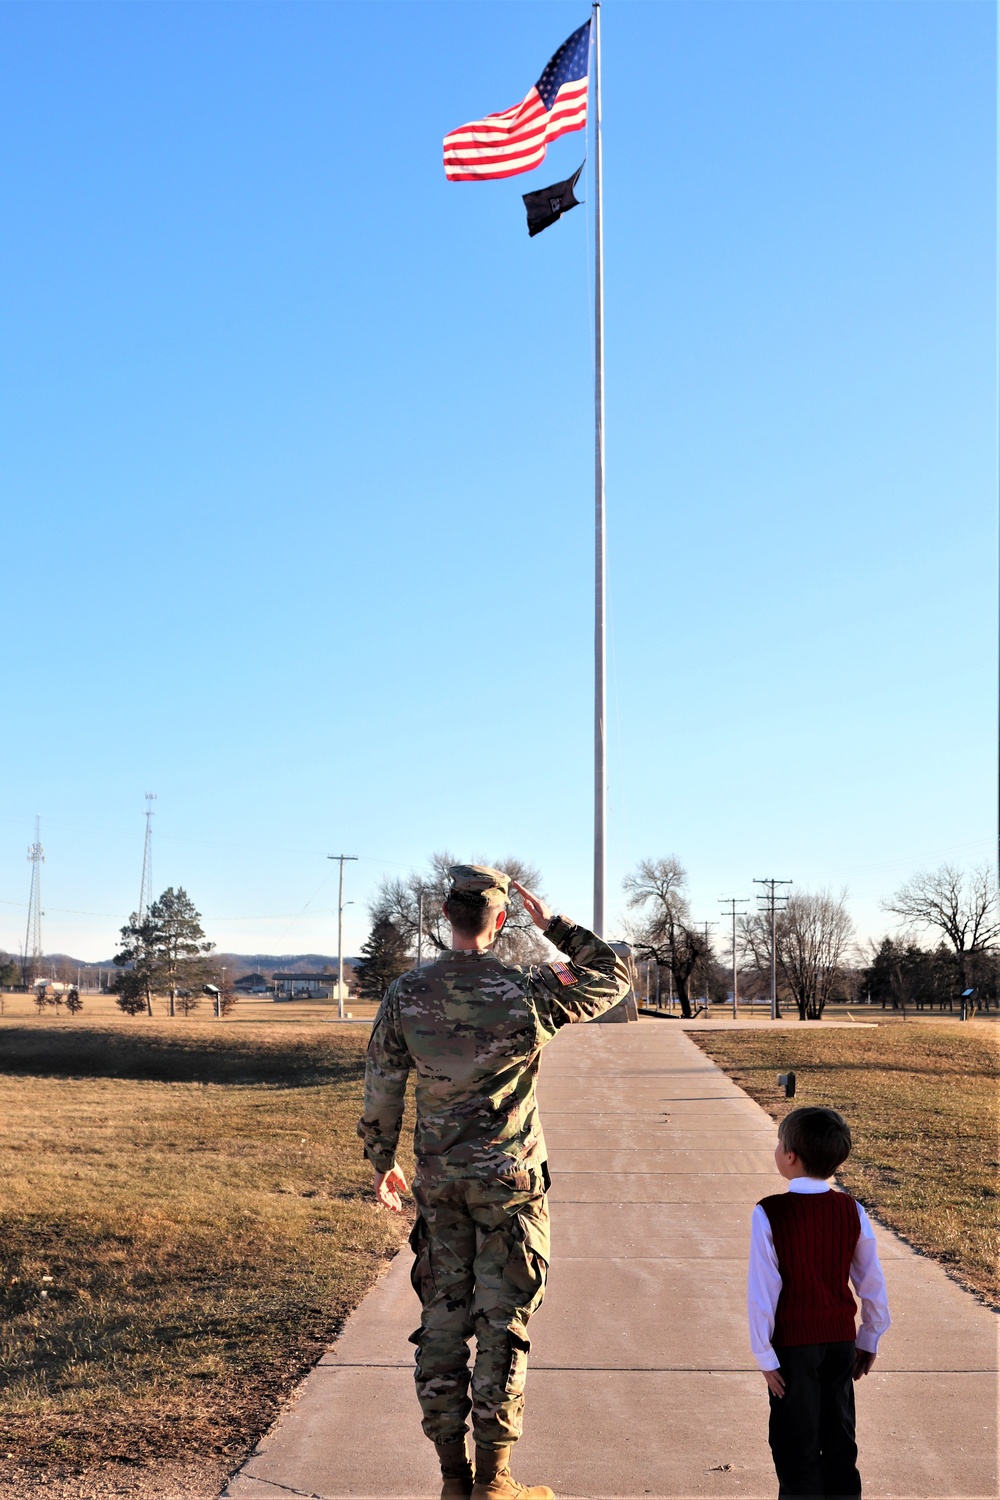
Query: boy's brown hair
[820, 1138]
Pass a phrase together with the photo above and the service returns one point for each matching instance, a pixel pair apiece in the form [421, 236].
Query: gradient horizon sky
[296, 456]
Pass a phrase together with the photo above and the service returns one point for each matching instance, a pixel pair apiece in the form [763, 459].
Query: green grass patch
[924, 1109]
[186, 1222]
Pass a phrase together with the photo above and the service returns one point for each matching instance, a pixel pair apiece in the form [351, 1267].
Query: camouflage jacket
[473, 1028]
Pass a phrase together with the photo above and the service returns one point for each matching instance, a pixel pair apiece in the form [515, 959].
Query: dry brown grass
[186, 1221]
[924, 1109]
[102, 1008]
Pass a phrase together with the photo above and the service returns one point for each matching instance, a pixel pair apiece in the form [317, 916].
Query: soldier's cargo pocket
[518, 1369]
[420, 1272]
[528, 1258]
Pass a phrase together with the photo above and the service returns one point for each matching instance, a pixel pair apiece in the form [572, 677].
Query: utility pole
[340, 933]
[222, 991]
[771, 902]
[732, 902]
[146, 888]
[33, 934]
[420, 926]
[706, 926]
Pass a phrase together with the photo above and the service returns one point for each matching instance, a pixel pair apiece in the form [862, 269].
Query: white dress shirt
[764, 1281]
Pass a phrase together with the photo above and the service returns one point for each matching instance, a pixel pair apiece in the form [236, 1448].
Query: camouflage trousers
[481, 1255]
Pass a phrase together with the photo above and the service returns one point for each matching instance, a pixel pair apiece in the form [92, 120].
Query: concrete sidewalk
[640, 1382]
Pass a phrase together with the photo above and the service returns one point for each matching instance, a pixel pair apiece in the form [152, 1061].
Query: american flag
[503, 145]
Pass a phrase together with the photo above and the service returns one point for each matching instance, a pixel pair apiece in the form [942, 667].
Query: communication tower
[146, 889]
[33, 935]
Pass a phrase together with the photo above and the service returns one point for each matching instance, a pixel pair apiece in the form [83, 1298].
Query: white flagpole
[600, 670]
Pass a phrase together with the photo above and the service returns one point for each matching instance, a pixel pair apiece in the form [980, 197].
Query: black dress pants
[811, 1430]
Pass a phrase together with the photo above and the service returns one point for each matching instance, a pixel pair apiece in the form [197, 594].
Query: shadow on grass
[96, 1052]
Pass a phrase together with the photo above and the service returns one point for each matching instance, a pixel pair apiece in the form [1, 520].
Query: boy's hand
[775, 1382]
[388, 1186]
[863, 1362]
[536, 908]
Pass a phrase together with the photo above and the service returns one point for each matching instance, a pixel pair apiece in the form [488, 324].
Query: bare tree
[812, 937]
[815, 935]
[965, 908]
[663, 930]
[398, 901]
[227, 995]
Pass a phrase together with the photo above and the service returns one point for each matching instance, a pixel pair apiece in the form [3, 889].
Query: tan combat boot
[493, 1481]
[456, 1470]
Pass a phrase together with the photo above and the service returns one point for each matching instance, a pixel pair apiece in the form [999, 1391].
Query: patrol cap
[480, 880]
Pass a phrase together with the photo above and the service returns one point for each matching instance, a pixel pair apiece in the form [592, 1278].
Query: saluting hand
[536, 908]
[388, 1186]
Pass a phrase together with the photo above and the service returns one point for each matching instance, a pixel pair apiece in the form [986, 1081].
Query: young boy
[804, 1246]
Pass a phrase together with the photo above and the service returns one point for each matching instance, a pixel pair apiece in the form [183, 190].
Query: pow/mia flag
[548, 205]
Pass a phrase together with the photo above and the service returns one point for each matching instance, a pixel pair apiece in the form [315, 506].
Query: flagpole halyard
[504, 145]
[600, 666]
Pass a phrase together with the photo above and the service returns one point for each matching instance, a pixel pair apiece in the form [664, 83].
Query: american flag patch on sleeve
[563, 974]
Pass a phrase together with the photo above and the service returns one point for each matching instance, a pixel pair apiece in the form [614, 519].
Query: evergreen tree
[10, 970]
[166, 951]
[384, 959]
[134, 985]
[130, 991]
[180, 948]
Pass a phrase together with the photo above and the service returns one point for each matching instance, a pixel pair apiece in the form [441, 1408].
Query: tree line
[164, 951]
[817, 957]
[818, 960]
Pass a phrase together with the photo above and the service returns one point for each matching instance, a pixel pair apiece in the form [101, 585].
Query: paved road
[641, 1383]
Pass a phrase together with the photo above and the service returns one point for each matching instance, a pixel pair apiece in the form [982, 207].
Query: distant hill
[266, 963]
[236, 963]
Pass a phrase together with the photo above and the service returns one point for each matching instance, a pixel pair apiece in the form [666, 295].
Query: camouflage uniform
[473, 1028]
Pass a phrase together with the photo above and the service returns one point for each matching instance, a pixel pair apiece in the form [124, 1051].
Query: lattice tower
[146, 889]
[33, 935]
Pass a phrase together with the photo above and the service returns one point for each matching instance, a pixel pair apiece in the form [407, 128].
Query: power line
[772, 901]
[732, 902]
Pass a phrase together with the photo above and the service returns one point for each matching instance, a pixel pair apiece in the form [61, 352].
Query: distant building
[251, 984]
[303, 986]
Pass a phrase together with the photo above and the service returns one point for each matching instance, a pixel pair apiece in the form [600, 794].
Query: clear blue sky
[295, 454]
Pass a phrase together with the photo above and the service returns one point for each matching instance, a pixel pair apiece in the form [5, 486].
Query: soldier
[473, 1028]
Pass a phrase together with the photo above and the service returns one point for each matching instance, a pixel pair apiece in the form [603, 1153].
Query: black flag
[548, 205]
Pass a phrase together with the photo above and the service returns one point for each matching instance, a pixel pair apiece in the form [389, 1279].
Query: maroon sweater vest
[814, 1235]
